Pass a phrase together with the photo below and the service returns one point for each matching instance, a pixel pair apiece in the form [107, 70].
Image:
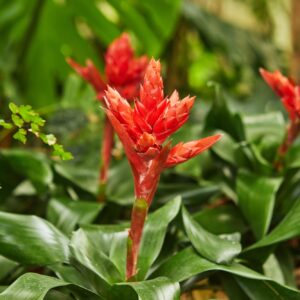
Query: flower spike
[143, 130]
[123, 72]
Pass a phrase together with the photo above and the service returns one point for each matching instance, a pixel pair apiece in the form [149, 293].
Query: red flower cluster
[143, 130]
[286, 89]
[123, 72]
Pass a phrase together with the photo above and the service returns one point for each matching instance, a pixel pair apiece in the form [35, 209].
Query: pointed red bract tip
[286, 89]
[182, 152]
[151, 92]
[122, 69]
[89, 73]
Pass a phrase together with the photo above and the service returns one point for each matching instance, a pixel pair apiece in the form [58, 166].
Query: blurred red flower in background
[289, 93]
[123, 72]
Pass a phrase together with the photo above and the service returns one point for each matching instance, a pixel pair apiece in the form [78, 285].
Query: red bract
[143, 129]
[286, 89]
[124, 73]
[289, 93]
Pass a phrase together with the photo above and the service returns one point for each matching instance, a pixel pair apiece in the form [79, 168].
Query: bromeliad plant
[124, 73]
[143, 131]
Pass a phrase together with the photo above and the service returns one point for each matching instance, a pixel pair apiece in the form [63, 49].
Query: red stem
[138, 217]
[106, 153]
[292, 133]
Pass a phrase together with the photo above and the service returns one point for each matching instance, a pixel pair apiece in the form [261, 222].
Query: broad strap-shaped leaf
[101, 249]
[286, 229]
[32, 286]
[33, 166]
[65, 213]
[160, 288]
[262, 289]
[154, 234]
[7, 266]
[31, 240]
[264, 125]
[86, 179]
[226, 219]
[188, 263]
[207, 244]
[256, 197]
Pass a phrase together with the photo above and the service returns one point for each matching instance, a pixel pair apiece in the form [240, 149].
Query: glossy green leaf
[33, 166]
[154, 234]
[261, 289]
[84, 178]
[256, 197]
[227, 219]
[120, 187]
[211, 246]
[221, 117]
[190, 194]
[7, 266]
[65, 213]
[188, 263]
[231, 287]
[31, 240]
[286, 229]
[258, 126]
[101, 249]
[32, 286]
[159, 289]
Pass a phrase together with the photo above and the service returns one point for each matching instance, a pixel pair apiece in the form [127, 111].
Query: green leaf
[256, 197]
[86, 179]
[32, 286]
[187, 263]
[261, 289]
[272, 269]
[286, 229]
[65, 214]
[61, 153]
[101, 249]
[7, 266]
[154, 234]
[207, 244]
[227, 219]
[48, 139]
[20, 135]
[17, 120]
[159, 289]
[220, 117]
[13, 108]
[31, 165]
[119, 187]
[5, 125]
[259, 126]
[31, 240]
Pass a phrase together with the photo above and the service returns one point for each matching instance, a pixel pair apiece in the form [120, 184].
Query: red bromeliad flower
[124, 73]
[143, 130]
[289, 93]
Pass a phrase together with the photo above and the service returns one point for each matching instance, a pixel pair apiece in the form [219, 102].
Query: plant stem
[292, 133]
[138, 217]
[106, 152]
